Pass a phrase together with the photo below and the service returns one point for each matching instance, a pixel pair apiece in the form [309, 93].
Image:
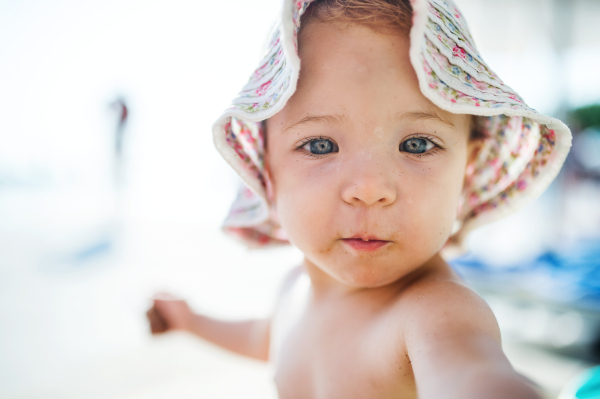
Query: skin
[364, 94]
[387, 323]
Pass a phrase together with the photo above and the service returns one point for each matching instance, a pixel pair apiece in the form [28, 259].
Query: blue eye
[320, 147]
[416, 145]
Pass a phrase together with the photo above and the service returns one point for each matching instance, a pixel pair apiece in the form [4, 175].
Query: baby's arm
[248, 338]
[453, 341]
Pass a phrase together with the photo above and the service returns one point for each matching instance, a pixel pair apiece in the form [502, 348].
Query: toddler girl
[373, 137]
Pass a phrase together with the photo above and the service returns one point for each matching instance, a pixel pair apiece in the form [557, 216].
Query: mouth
[365, 243]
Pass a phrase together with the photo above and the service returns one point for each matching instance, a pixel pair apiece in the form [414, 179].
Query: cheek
[431, 194]
[306, 204]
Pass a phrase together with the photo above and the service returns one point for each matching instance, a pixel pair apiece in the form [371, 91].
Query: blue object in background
[570, 277]
[586, 385]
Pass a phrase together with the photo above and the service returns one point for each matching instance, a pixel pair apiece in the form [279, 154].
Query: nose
[369, 189]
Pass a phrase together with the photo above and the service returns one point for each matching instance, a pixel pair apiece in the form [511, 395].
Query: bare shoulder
[452, 341]
[441, 307]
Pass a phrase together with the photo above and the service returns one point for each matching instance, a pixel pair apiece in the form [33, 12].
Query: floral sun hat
[522, 153]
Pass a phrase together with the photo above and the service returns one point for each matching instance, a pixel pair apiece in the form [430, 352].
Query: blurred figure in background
[122, 111]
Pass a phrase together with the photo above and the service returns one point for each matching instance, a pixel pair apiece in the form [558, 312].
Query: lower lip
[360, 245]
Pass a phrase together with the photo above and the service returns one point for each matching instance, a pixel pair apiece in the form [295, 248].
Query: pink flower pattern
[458, 52]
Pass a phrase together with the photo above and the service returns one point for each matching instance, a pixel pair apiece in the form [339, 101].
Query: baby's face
[359, 153]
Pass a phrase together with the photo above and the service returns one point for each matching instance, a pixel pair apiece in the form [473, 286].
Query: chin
[367, 276]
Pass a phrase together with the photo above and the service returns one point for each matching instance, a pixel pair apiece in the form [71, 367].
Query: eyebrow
[427, 115]
[308, 118]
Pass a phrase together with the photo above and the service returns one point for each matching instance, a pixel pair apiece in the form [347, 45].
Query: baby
[389, 144]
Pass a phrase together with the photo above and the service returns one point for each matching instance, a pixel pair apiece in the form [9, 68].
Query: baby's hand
[169, 313]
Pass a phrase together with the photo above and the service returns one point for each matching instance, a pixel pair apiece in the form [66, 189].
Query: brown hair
[386, 15]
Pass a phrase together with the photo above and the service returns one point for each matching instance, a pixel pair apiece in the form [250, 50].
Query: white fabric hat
[521, 154]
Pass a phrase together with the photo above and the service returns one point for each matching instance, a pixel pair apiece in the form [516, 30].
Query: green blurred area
[585, 117]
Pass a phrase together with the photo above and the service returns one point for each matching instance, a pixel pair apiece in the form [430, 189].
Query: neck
[325, 285]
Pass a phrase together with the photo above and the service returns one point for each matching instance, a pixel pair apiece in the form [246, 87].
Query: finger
[167, 307]
[152, 320]
[157, 326]
[157, 323]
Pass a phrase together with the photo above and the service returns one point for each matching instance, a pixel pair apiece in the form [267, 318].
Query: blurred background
[110, 190]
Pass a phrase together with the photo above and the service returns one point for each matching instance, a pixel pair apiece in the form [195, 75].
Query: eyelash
[308, 140]
[427, 154]
[437, 148]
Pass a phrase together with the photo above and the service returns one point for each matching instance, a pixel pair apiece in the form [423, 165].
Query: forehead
[345, 44]
[353, 70]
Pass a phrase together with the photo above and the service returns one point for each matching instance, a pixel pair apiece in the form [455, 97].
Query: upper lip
[364, 237]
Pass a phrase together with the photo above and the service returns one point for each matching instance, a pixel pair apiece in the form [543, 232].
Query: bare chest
[338, 352]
